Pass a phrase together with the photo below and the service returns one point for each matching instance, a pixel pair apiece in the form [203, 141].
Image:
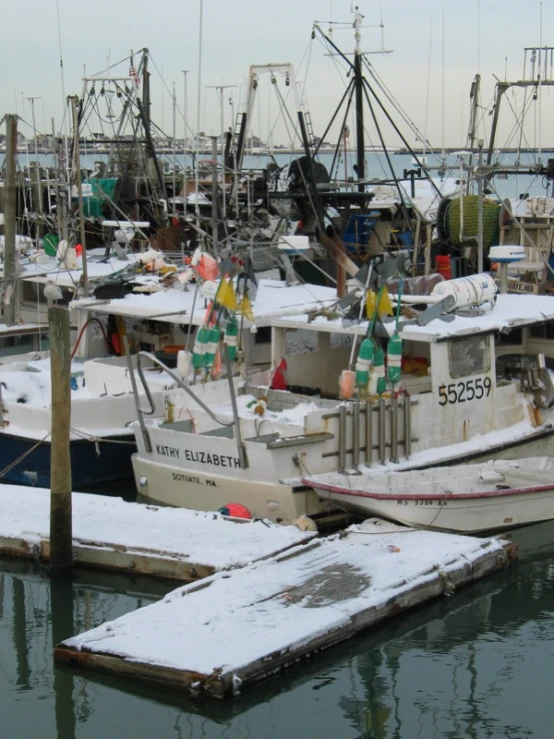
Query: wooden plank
[248, 624]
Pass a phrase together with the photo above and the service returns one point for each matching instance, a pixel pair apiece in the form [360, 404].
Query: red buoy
[236, 510]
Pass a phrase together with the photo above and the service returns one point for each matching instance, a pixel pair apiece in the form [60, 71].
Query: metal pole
[185, 141]
[31, 99]
[394, 430]
[407, 426]
[368, 432]
[10, 220]
[382, 427]
[173, 152]
[480, 145]
[342, 438]
[214, 196]
[240, 447]
[220, 89]
[356, 435]
[143, 429]
[223, 203]
[198, 112]
[79, 184]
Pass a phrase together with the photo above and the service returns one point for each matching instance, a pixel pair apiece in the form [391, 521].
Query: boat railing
[361, 433]
[151, 408]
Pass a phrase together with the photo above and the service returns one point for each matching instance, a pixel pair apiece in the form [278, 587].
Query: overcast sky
[479, 35]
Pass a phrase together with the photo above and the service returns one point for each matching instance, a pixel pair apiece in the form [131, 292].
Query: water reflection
[62, 625]
[476, 664]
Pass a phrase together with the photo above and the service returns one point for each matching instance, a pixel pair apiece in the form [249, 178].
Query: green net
[468, 235]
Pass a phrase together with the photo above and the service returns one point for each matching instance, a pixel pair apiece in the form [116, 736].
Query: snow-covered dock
[239, 626]
[109, 533]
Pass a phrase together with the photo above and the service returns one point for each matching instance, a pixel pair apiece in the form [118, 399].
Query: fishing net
[468, 235]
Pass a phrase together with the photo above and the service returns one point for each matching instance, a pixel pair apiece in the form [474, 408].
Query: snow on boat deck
[239, 626]
[174, 543]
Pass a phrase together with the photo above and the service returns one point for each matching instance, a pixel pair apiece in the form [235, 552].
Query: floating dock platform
[238, 626]
[108, 533]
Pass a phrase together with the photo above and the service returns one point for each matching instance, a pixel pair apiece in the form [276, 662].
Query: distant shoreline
[93, 149]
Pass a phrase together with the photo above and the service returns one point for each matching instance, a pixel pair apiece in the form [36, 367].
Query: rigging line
[284, 111]
[366, 87]
[349, 89]
[518, 127]
[343, 126]
[25, 454]
[125, 59]
[307, 53]
[518, 122]
[335, 47]
[392, 100]
[161, 76]
[342, 70]
[282, 107]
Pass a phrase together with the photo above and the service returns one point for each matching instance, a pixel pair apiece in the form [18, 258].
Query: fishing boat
[102, 407]
[467, 378]
[470, 498]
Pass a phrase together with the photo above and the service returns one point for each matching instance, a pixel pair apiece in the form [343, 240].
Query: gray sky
[479, 35]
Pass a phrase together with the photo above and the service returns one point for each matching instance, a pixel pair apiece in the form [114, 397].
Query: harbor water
[378, 167]
[476, 664]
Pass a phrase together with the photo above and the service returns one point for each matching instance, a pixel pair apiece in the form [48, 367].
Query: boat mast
[76, 109]
[144, 111]
[358, 87]
[10, 221]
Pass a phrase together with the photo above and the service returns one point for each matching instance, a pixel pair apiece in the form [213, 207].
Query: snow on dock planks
[108, 533]
[238, 626]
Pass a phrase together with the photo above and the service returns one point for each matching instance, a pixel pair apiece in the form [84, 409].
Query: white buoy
[184, 359]
[471, 290]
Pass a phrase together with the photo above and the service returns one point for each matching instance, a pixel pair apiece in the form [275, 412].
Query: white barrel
[184, 359]
[471, 290]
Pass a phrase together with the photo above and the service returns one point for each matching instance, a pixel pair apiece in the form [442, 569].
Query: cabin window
[263, 335]
[469, 356]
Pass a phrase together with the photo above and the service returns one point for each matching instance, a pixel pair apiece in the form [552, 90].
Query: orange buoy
[235, 510]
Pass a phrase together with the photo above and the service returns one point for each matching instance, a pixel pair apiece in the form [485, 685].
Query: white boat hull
[280, 503]
[451, 499]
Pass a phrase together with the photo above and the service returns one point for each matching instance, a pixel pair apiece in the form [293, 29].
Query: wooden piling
[61, 535]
